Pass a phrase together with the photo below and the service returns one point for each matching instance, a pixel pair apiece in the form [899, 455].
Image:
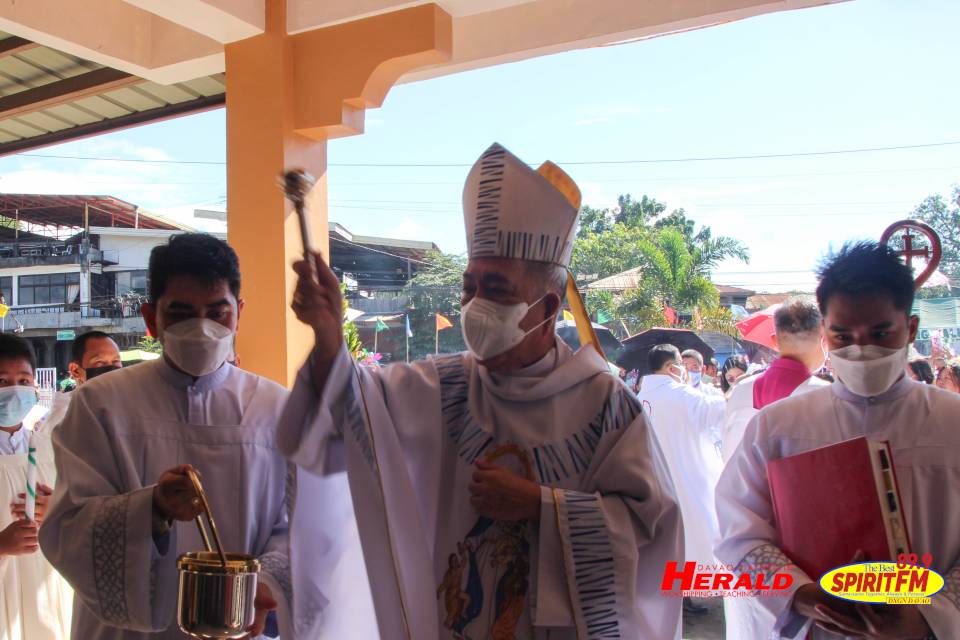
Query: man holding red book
[866, 296]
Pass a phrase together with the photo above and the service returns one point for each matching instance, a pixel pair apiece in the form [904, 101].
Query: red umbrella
[759, 327]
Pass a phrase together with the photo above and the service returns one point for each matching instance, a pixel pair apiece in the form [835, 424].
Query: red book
[832, 501]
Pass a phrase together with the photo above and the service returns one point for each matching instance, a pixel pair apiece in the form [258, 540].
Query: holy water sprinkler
[296, 184]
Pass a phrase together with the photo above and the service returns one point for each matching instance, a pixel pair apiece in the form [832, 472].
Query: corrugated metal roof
[48, 96]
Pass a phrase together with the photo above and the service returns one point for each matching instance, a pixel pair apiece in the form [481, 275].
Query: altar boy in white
[865, 295]
[122, 507]
[514, 491]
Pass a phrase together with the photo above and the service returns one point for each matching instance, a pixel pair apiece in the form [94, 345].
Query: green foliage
[436, 289]
[675, 257]
[718, 319]
[350, 333]
[604, 254]
[150, 345]
[944, 216]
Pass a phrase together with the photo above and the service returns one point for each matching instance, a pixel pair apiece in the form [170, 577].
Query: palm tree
[679, 275]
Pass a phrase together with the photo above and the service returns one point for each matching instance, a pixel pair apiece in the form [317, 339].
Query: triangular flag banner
[3, 310]
[603, 316]
[568, 316]
[406, 320]
[381, 325]
[443, 323]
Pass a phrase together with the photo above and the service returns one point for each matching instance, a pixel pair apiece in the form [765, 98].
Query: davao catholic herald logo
[902, 582]
[720, 580]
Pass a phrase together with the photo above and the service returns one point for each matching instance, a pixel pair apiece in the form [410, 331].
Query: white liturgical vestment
[687, 424]
[35, 602]
[412, 434]
[920, 423]
[122, 431]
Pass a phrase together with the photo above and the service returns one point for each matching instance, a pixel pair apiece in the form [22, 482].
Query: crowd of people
[515, 490]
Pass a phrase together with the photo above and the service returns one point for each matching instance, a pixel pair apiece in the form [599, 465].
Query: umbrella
[636, 347]
[759, 327]
[567, 330]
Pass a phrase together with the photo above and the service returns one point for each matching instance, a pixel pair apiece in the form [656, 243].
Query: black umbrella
[636, 347]
[567, 330]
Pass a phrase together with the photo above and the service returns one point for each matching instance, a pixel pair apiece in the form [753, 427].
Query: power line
[336, 183]
[763, 156]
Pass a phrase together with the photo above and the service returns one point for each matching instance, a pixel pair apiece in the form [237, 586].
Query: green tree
[150, 345]
[679, 279]
[635, 214]
[944, 216]
[436, 289]
[612, 251]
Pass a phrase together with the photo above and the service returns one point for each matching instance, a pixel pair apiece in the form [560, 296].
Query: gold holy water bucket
[217, 589]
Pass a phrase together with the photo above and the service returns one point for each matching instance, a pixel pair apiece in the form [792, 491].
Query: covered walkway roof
[74, 69]
[78, 212]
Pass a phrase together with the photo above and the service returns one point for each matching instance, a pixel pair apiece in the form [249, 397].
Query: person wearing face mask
[694, 364]
[35, 602]
[123, 508]
[687, 425]
[512, 491]
[865, 295]
[92, 354]
[799, 339]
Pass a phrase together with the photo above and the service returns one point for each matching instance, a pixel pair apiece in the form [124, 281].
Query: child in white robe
[35, 602]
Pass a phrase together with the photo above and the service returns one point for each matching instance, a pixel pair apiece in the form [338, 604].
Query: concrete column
[286, 96]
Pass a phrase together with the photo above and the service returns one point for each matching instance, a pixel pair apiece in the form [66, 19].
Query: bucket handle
[213, 525]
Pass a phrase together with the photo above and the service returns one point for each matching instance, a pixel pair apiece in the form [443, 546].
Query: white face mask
[491, 329]
[868, 370]
[197, 346]
[15, 404]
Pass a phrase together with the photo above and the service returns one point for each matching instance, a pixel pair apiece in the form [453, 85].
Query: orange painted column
[261, 143]
[286, 96]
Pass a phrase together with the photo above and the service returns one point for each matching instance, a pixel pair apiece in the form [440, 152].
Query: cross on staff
[909, 252]
[931, 253]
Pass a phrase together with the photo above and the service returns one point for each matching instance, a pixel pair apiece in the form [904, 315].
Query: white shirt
[740, 410]
[13, 443]
[687, 425]
[920, 423]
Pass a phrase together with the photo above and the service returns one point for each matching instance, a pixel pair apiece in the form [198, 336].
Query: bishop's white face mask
[491, 329]
[15, 404]
[868, 370]
[197, 346]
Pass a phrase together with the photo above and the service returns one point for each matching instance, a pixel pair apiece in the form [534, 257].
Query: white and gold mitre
[513, 211]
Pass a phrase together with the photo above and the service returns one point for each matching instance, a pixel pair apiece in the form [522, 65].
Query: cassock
[35, 602]
[122, 430]
[608, 520]
[687, 426]
[920, 423]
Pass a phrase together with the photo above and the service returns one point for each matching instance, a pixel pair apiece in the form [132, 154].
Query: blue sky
[863, 74]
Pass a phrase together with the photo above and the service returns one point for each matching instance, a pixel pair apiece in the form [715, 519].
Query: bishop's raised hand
[318, 303]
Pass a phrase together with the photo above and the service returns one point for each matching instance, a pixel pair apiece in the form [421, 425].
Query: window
[131, 281]
[55, 288]
[6, 290]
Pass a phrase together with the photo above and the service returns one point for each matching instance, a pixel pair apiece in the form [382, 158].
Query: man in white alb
[865, 295]
[123, 507]
[514, 491]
